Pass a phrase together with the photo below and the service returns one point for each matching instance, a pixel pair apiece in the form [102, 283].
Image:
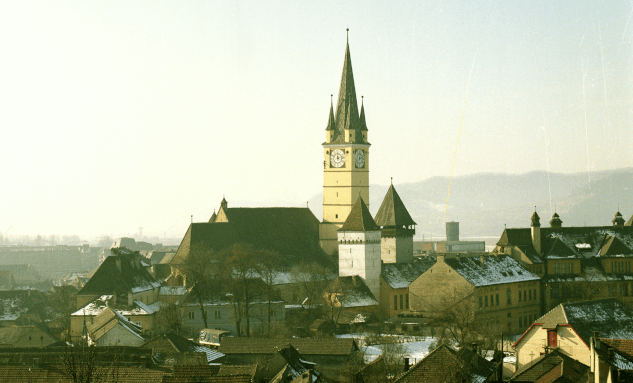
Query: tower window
[337, 216]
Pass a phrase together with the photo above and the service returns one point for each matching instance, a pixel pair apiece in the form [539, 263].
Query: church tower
[397, 229]
[359, 247]
[346, 154]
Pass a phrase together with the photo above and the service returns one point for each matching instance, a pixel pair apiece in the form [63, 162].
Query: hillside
[483, 203]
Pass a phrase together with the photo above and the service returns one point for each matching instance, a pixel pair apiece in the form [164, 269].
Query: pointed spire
[347, 105]
[536, 219]
[363, 124]
[392, 212]
[359, 219]
[224, 204]
[618, 220]
[556, 221]
[331, 122]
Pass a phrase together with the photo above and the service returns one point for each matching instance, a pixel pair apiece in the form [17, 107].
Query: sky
[117, 115]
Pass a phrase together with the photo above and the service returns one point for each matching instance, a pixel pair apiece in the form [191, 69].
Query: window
[612, 290]
[519, 296]
[614, 267]
[486, 301]
[524, 295]
[530, 319]
[534, 293]
[556, 268]
[497, 298]
[525, 322]
[520, 322]
[509, 315]
[552, 338]
[624, 290]
[406, 301]
[566, 291]
[530, 295]
[492, 301]
[571, 268]
[555, 291]
[480, 302]
[621, 267]
[273, 312]
[401, 301]
[564, 268]
[217, 314]
[395, 302]
[628, 267]
[192, 315]
[509, 294]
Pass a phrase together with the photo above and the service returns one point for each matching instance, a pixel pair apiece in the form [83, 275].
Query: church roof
[289, 231]
[359, 219]
[629, 222]
[392, 212]
[363, 123]
[331, 122]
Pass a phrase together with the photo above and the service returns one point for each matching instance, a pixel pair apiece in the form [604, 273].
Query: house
[110, 328]
[395, 279]
[170, 349]
[141, 314]
[7, 282]
[611, 359]
[287, 365]
[26, 336]
[347, 296]
[330, 353]
[23, 274]
[16, 303]
[574, 263]
[553, 366]
[220, 374]
[502, 294]
[121, 275]
[224, 313]
[444, 364]
[173, 294]
[569, 326]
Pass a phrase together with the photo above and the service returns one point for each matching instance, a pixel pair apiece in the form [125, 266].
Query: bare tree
[81, 364]
[454, 319]
[201, 270]
[170, 317]
[311, 280]
[63, 300]
[244, 273]
[270, 266]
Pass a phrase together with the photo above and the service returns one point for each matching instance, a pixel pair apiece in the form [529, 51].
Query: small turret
[618, 220]
[224, 204]
[536, 232]
[556, 221]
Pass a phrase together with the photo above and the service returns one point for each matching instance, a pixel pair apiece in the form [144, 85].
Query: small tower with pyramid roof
[359, 247]
[556, 221]
[536, 232]
[618, 220]
[397, 229]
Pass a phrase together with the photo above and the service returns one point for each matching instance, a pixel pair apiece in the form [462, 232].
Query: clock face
[360, 158]
[337, 158]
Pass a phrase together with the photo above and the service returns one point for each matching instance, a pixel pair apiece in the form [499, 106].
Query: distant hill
[483, 203]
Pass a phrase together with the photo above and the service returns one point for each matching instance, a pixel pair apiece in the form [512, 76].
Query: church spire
[347, 104]
[363, 124]
[331, 123]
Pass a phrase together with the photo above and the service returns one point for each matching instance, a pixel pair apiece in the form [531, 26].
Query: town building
[503, 295]
[611, 359]
[397, 229]
[569, 326]
[574, 263]
[444, 364]
[553, 366]
[110, 328]
[395, 279]
[173, 349]
[26, 336]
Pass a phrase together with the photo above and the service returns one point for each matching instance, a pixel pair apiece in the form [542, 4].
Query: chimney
[36, 362]
[481, 258]
[143, 362]
[476, 355]
[406, 364]
[118, 263]
[596, 340]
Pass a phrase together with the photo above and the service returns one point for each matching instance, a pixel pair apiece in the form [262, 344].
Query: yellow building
[346, 159]
[495, 293]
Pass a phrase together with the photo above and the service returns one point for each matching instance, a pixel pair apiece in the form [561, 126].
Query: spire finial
[347, 30]
[392, 180]
[331, 99]
[362, 99]
[192, 218]
[307, 204]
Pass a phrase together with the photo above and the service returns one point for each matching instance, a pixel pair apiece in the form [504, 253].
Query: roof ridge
[359, 218]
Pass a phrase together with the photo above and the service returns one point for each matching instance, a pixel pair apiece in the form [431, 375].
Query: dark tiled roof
[546, 363]
[108, 278]
[515, 237]
[351, 291]
[171, 343]
[556, 247]
[400, 275]
[392, 212]
[359, 219]
[608, 316]
[493, 270]
[305, 346]
[623, 346]
[195, 374]
[445, 364]
[614, 246]
[55, 373]
[289, 231]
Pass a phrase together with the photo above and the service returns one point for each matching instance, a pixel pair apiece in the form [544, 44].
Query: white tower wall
[359, 254]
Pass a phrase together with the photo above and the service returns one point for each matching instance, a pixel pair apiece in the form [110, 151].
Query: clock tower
[346, 165]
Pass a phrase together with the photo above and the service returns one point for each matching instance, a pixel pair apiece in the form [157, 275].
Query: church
[363, 243]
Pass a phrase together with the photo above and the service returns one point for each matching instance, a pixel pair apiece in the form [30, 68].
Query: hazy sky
[119, 115]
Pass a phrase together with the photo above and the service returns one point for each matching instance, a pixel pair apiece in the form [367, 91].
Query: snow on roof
[12, 308]
[492, 271]
[173, 290]
[400, 275]
[95, 308]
